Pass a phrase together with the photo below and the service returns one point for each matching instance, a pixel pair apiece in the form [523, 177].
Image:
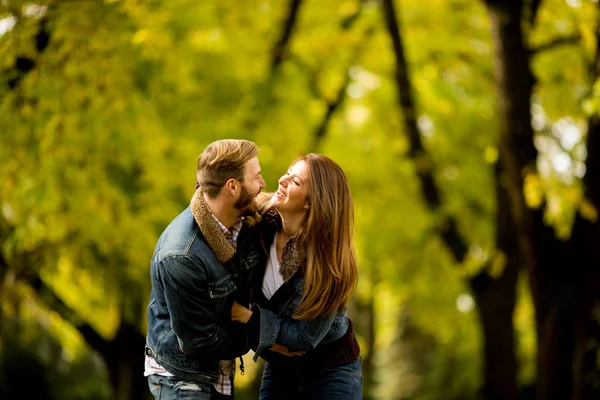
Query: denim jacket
[276, 322]
[196, 276]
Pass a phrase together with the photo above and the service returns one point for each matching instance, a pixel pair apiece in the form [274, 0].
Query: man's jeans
[339, 383]
[172, 388]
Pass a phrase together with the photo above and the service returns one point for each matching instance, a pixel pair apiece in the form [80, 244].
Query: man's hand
[240, 313]
[284, 350]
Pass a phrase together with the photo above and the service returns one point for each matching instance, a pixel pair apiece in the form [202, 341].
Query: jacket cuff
[269, 327]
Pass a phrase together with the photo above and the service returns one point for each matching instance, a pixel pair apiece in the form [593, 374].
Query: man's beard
[246, 204]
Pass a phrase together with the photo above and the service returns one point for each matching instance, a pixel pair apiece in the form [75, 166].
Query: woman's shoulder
[263, 202]
[263, 208]
[269, 215]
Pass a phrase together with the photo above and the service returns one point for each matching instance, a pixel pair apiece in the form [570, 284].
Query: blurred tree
[563, 297]
[494, 295]
[105, 104]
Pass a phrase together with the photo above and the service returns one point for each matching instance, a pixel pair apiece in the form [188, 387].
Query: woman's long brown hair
[330, 269]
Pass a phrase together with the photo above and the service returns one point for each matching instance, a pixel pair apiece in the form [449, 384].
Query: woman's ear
[307, 206]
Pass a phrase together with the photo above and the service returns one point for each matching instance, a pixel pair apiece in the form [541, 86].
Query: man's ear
[231, 186]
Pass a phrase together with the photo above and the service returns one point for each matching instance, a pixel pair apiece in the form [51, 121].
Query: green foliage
[99, 142]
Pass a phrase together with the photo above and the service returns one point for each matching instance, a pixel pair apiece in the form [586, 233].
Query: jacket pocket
[220, 289]
[251, 259]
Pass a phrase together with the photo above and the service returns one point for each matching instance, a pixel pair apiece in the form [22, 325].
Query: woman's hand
[285, 351]
[240, 313]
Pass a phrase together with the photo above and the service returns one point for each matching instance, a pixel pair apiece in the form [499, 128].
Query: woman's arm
[242, 314]
[267, 329]
[297, 335]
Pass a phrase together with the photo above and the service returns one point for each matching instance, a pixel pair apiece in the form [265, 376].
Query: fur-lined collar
[210, 229]
[294, 253]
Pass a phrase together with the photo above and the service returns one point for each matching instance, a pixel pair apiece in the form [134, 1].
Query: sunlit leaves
[99, 140]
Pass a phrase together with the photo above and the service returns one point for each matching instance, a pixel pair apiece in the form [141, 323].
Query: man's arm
[193, 314]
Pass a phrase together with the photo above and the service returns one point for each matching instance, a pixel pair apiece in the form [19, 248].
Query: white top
[273, 279]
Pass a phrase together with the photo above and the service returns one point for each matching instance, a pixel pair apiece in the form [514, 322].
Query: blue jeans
[172, 388]
[339, 383]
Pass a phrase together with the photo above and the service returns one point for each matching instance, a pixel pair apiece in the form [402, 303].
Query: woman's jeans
[339, 383]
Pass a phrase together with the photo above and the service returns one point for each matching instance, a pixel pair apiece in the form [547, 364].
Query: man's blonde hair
[223, 160]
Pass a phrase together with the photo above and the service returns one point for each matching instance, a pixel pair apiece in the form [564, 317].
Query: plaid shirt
[226, 367]
[232, 234]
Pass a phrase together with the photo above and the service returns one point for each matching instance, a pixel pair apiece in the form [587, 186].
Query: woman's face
[292, 193]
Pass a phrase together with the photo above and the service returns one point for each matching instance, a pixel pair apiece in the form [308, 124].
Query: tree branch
[448, 226]
[53, 302]
[288, 28]
[264, 95]
[312, 72]
[349, 21]
[23, 65]
[333, 106]
[556, 42]
[535, 7]
[321, 130]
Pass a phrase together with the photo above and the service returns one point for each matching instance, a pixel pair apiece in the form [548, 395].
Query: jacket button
[148, 352]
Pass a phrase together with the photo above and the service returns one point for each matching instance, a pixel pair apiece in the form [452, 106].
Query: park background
[468, 130]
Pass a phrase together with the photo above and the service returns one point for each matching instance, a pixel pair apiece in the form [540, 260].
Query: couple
[240, 270]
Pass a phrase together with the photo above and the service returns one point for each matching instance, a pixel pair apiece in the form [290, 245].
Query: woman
[298, 320]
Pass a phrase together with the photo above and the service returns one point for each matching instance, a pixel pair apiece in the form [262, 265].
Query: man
[201, 265]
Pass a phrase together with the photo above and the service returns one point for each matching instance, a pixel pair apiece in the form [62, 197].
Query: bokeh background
[468, 130]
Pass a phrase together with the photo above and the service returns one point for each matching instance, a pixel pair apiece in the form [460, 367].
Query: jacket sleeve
[193, 314]
[296, 335]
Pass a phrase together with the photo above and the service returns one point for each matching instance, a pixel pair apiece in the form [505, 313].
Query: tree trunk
[123, 355]
[125, 362]
[587, 345]
[561, 312]
[554, 325]
[562, 274]
[364, 324]
[495, 298]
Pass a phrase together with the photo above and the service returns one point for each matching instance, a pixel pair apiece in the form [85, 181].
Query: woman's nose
[282, 181]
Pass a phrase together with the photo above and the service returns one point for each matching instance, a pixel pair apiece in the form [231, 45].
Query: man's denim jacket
[276, 322]
[196, 276]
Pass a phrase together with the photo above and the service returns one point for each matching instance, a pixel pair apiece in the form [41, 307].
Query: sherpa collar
[294, 253]
[210, 229]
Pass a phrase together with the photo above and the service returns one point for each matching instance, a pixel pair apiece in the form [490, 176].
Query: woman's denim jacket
[276, 322]
[196, 276]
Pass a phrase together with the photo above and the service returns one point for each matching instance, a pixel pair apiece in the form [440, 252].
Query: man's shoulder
[182, 237]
